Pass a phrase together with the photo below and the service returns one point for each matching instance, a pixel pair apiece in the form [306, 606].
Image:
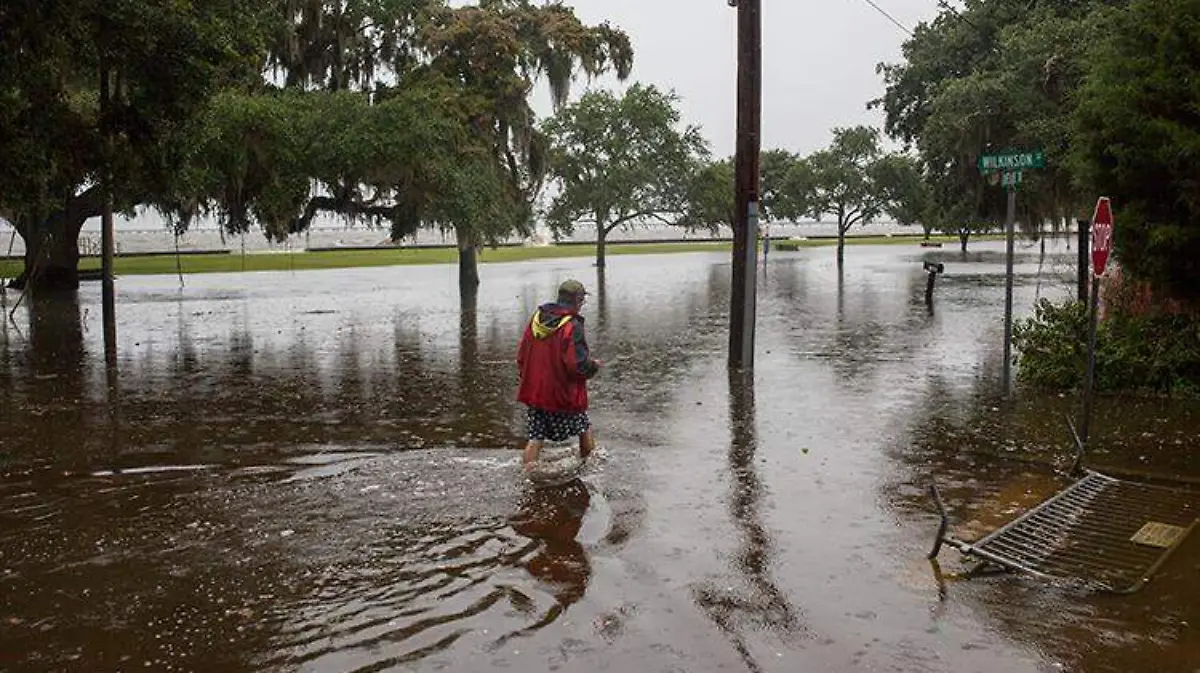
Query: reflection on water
[318, 472]
[760, 604]
[553, 516]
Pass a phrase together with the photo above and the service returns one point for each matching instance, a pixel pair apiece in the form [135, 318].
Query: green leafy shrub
[1149, 353]
[1153, 353]
[1051, 346]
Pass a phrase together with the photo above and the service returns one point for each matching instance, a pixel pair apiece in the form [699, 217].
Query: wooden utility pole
[745, 231]
[108, 300]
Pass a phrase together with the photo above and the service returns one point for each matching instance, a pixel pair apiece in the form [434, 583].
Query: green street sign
[1012, 161]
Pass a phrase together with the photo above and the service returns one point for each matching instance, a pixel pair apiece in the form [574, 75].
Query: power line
[891, 18]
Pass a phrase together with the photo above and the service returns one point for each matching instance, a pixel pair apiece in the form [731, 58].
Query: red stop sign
[1102, 235]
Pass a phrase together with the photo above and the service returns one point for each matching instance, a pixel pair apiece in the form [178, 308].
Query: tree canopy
[160, 62]
[785, 183]
[410, 112]
[1104, 86]
[996, 75]
[275, 160]
[1137, 139]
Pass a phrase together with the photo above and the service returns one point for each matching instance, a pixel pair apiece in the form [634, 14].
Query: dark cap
[572, 288]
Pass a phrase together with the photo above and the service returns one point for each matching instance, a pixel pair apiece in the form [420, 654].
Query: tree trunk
[471, 391]
[841, 250]
[601, 301]
[52, 244]
[468, 263]
[468, 270]
[601, 244]
[51, 255]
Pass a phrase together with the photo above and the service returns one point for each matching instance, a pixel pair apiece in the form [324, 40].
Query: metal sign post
[749, 317]
[1010, 225]
[1102, 227]
[1011, 166]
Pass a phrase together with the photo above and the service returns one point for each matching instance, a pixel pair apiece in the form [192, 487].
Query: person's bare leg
[533, 449]
[587, 443]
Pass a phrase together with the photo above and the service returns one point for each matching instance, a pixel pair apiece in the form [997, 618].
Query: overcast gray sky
[819, 60]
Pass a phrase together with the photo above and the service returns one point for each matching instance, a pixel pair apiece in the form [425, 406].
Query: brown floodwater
[319, 471]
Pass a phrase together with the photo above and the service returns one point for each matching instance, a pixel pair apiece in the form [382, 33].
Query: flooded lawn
[319, 471]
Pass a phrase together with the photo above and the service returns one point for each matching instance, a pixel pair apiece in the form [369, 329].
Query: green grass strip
[133, 265]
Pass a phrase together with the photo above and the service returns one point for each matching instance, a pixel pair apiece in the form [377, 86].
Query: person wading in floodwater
[555, 365]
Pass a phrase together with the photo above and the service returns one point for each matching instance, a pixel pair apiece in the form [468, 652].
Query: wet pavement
[318, 471]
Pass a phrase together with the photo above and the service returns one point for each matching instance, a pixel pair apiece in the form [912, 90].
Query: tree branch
[17, 222]
[844, 221]
[656, 214]
[77, 210]
[87, 205]
[348, 208]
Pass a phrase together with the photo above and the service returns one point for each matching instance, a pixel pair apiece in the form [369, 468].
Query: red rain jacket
[554, 361]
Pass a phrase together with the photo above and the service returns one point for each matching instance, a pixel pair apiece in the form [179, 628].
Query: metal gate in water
[1102, 532]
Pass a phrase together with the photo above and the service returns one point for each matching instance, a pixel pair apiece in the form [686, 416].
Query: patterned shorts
[554, 426]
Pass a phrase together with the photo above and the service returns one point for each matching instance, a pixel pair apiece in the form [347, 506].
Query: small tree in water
[620, 162]
[846, 181]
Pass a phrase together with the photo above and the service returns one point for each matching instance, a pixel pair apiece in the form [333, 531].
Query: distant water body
[148, 232]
